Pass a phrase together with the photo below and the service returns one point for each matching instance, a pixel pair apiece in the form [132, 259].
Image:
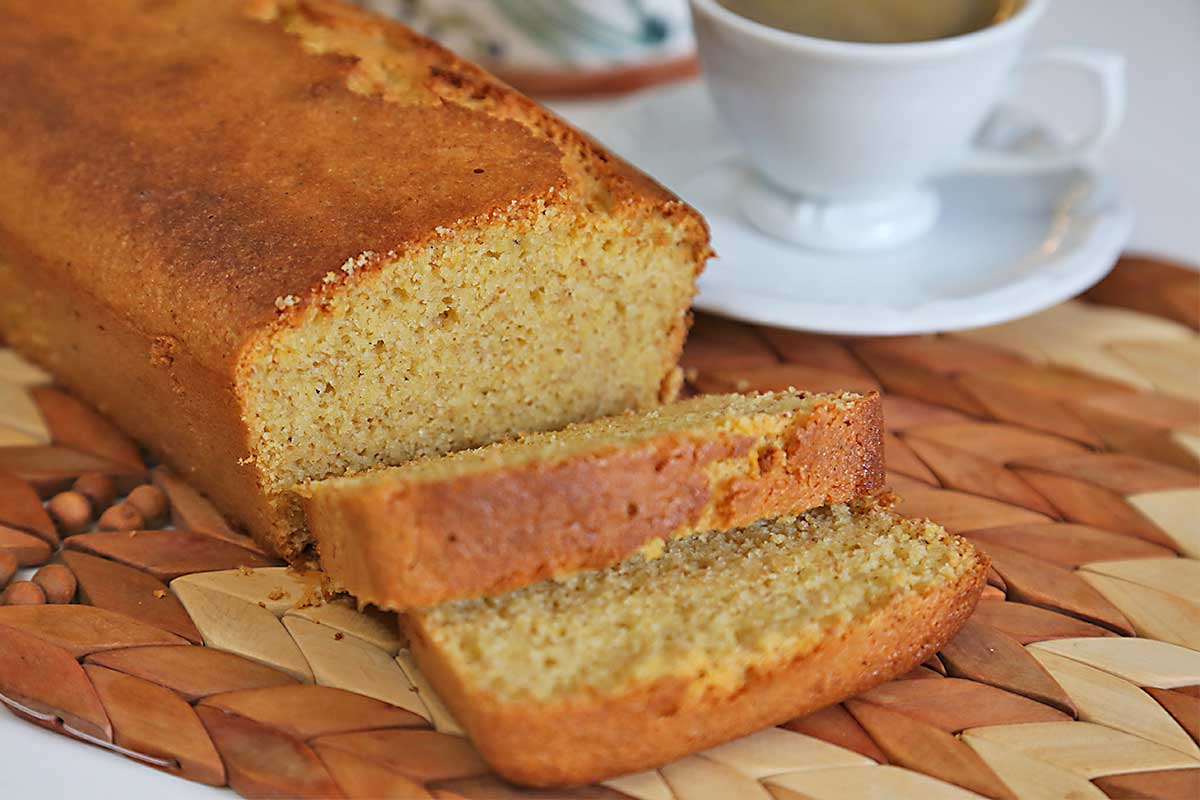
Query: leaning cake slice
[491, 520]
[611, 672]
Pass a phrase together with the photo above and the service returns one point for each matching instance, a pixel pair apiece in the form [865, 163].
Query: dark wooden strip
[1069, 545]
[835, 725]
[39, 674]
[1167, 784]
[1183, 707]
[1040, 583]
[306, 711]
[418, 754]
[125, 590]
[717, 343]
[21, 508]
[81, 630]
[918, 746]
[954, 704]
[168, 554]
[153, 721]
[76, 425]
[52, 469]
[1153, 286]
[982, 653]
[1027, 623]
[966, 472]
[192, 672]
[263, 762]
[1089, 504]
[191, 511]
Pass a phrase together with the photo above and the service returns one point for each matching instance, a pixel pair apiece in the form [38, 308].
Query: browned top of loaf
[201, 164]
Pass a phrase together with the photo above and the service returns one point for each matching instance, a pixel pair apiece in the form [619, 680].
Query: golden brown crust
[151, 386]
[229, 166]
[588, 738]
[170, 172]
[405, 544]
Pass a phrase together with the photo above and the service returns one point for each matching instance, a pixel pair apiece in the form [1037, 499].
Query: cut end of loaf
[709, 611]
[522, 325]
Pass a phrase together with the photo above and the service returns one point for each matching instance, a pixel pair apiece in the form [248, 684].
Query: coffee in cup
[876, 21]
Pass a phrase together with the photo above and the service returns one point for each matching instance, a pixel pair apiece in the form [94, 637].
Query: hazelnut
[97, 488]
[23, 593]
[121, 517]
[71, 512]
[151, 501]
[57, 582]
[8, 567]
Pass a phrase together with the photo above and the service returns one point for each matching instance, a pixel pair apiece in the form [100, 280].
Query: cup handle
[1107, 70]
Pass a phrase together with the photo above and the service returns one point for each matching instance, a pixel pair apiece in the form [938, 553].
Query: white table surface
[1156, 157]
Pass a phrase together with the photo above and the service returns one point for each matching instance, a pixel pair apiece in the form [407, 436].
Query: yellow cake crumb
[708, 609]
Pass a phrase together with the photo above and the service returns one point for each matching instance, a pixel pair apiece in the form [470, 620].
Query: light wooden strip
[1010, 337]
[11, 437]
[863, 783]
[230, 623]
[1189, 440]
[1078, 323]
[1030, 778]
[1178, 576]
[354, 665]
[1085, 748]
[15, 369]
[1088, 338]
[437, 713]
[1102, 324]
[1116, 703]
[1094, 359]
[1177, 512]
[277, 589]
[370, 625]
[1172, 367]
[648, 785]
[776, 750]
[19, 412]
[697, 778]
[1153, 614]
[1144, 662]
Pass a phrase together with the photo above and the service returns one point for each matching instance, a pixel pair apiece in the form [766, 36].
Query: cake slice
[725, 633]
[277, 240]
[486, 521]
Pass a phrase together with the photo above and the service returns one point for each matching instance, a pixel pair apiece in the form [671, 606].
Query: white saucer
[1004, 246]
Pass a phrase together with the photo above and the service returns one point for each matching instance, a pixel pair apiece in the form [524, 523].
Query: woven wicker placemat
[1066, 445]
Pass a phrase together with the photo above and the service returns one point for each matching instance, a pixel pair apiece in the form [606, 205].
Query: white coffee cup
[845, 136]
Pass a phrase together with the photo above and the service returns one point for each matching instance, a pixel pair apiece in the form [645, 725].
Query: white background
[1156, 157]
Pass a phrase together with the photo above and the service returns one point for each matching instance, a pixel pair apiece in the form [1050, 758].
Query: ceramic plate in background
[1004, 246]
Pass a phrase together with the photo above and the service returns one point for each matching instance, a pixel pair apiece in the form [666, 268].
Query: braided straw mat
[1065, 445]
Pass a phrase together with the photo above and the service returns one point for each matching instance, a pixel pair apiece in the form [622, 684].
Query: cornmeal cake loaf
[281, 239]
[490, 520]
[727, 632]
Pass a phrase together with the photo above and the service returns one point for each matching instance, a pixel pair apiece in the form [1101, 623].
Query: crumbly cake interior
[517, 323]
[752, 415]
[712, 606]
[463, 343]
